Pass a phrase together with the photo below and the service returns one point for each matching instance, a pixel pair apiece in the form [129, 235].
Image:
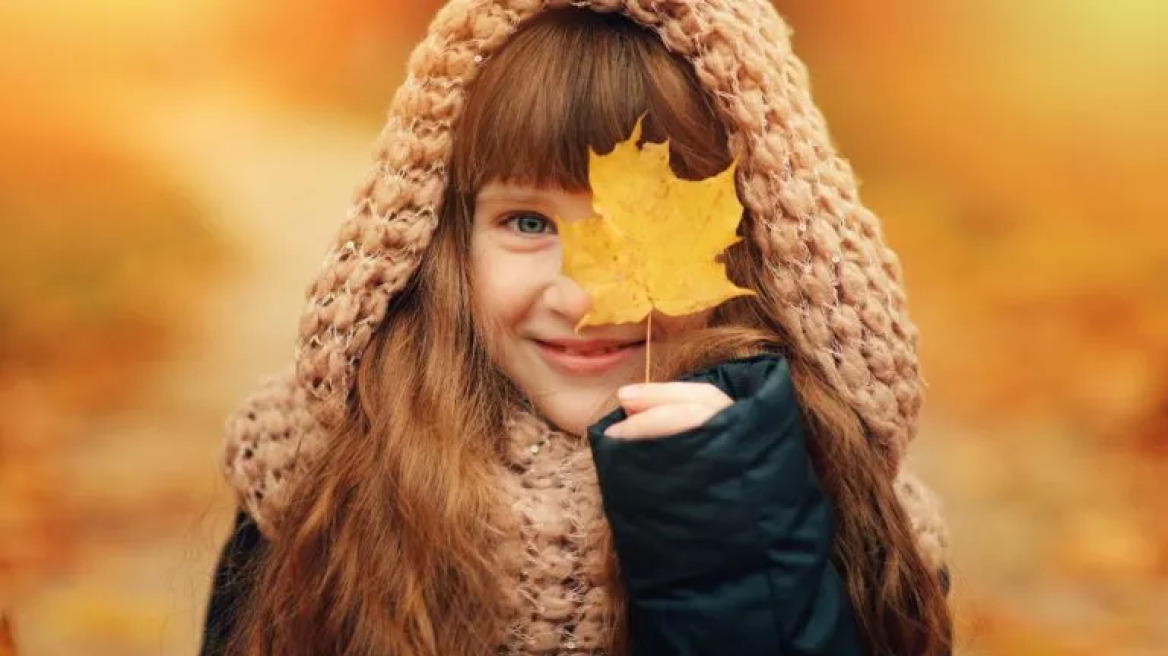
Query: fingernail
[614, 431]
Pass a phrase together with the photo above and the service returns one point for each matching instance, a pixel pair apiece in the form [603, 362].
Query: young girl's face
[532, 308]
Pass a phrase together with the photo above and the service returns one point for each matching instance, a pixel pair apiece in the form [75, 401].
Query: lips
[589, 347]
[587, 357]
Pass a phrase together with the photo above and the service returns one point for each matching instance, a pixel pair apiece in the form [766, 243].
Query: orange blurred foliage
[7, 642]
[349, 52]
[98, 274]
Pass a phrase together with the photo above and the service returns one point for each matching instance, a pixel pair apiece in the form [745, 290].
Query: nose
[567, 299]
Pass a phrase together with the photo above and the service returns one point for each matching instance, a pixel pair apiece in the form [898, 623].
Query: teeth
[602, 351]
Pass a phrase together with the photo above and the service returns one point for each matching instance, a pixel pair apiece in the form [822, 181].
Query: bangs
[573, 80]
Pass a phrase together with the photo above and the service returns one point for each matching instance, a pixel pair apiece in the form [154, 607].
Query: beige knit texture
[558, 561]
[842, 296]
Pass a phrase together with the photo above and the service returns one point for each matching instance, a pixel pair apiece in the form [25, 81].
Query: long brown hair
[388, 545]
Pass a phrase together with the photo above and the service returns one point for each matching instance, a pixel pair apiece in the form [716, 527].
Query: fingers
[660, 409]
[639, 398]
[661, 421]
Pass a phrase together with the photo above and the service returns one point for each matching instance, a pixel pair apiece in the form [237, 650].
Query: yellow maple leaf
[654, 240]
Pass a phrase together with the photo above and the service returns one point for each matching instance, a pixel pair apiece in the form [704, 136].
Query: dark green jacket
[723, 532]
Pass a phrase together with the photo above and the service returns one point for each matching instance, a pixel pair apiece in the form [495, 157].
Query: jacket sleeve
[232, 583]
[723, 532]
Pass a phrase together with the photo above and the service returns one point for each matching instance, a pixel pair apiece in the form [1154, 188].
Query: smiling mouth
[587, 359]
[586, 351]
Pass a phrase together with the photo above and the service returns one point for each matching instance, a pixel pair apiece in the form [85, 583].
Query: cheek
[506, 284]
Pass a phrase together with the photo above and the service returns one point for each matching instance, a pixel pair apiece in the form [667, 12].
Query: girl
[452, 469]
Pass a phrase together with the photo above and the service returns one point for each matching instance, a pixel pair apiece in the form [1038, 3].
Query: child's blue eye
[531, 224]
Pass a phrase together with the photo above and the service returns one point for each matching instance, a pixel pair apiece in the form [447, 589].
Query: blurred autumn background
[171, 172]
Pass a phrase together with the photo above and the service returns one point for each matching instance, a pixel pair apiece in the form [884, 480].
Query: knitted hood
[842, 298]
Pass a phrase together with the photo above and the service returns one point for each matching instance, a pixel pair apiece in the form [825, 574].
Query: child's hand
[660, 409]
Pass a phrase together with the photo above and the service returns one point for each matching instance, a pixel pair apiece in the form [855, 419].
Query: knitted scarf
[842, 297]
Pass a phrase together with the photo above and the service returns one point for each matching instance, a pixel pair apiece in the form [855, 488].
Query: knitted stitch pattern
[841, 290]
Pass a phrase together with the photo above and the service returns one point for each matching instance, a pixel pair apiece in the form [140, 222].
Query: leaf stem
[648, 344]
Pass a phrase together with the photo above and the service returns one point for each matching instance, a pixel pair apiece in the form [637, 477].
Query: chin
[575, 417]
